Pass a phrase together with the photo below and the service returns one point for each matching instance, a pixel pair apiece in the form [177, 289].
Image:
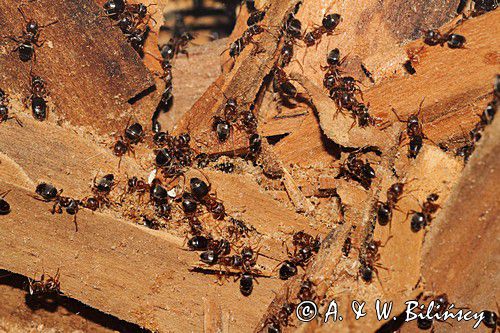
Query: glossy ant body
[133, 134]
[305, 246]
[414, 131]
[328, 25]
[435, 37]
[358, 170]
[4, 109]
[369, 260]
[38, 93]
[274, 322]
[48, 193]
[4, 205]
[236, 47]
[201, 193]
[423, 218]
[29, 37]
[102, 188]
[384, 209]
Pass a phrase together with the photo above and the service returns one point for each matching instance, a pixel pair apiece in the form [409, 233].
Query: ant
[358, 170]
[216, 249]
[362, 114]
[276, 321]
[38, 93]
[384, 209]
[236, 47]
[331, 77]
[282, 84]
[102, 188]
[201, 192]
[137, 185]
[113, 8]
[239, 228]
[305, 246]
[434, 37]
[328, 25]
[49, 193]
[369, 260]
[133, 135]
[29, 37]
[414, 131]
[176, 45]
[226, 167]
[423, 218]
[306, 291]
[247, 276]
[255, 144]
[4, 109]
[256, 17]
[490, 320]
[4, 205]
[44, 286]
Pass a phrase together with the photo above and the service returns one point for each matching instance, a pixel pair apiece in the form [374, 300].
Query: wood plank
[90, 70]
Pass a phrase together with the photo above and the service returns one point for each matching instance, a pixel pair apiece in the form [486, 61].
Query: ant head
[32, 27]
[333, 58]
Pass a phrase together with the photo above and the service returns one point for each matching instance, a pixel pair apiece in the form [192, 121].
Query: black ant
[490, 320]
[306, 291]
[255, 144]
[305, 246]
[38, 93]
[113, 8]
[4, 205]
[90, 203]
[247, 276]
[102, 188]
[434, 37]
[176, 45]
[423, 218]
[282, 317]
[133, 134]
[45, 286]
[256, 16]
[49, 193]
[358, 170]
[226, 167]
[4, 109]
[328, 25]
[370, 260]
[282, 84]
[29, 38]
[236, 47]
[332, 75]
[414, 131]
[201, 191]
[215, 250]
[238, 228]
[384, 209]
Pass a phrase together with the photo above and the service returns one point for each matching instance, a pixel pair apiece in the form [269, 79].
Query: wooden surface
[471, 218]
[90, 70]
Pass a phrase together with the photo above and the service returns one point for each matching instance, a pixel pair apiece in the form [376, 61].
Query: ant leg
[76, 225]
[4, 194]
[17, 120]
[397, 116]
